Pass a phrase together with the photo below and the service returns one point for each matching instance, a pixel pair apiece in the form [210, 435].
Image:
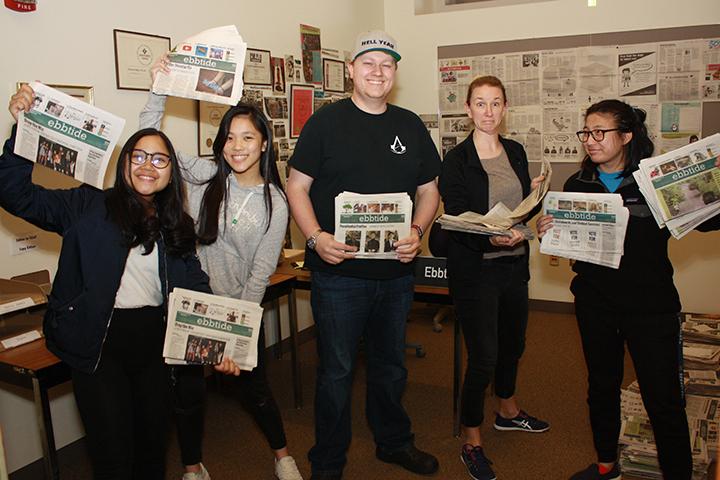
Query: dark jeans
[493, 324]
[124, 404]
[654, 346]
[346, 309]
[251, 388]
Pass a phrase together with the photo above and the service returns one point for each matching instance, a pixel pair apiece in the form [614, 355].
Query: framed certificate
[258, 68]
[134, 55]
[209, 117]
[301, 107]
[333, 76]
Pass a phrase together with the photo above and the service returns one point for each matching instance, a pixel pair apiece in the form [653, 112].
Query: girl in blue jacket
[123, 250]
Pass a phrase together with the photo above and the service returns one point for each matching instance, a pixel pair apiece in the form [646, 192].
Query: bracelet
[418, 229]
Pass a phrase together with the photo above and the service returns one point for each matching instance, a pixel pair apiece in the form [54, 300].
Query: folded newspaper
[204, 329]
[499, 219]
[67, 135]
[207, 66]
[682, 187]
[589, 227]
[372, 222]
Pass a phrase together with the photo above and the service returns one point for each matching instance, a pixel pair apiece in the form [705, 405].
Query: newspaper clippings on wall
[372, 222]
[207, 66]
[205, 329]
[587, 227]
[682, 187]
[67, 135]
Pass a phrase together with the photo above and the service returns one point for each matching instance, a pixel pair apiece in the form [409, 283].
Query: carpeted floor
[551, 386]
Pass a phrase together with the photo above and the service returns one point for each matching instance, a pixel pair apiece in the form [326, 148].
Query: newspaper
[204, 329]
[67, 135]
[682, 187]
[207, 66]
[589, 227]
[372, 223]
[702, 328]
[500, 219]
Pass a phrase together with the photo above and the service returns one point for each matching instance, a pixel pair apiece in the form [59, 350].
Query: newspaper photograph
[587, 227]
[67, 135]
[207, 66]
[682, 187]
[205, 329]
[372, 223]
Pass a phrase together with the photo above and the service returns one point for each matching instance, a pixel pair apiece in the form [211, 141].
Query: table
[32, 366]
[424, 294]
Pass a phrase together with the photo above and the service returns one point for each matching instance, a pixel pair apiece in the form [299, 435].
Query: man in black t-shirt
[364, 145]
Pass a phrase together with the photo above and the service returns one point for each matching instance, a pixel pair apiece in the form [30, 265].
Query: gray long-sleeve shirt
[244, 255]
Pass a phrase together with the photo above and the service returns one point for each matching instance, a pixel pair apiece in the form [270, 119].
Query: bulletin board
[672, 73]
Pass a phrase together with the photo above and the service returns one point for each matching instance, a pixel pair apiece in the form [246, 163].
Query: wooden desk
[424, 294]
[32, 366]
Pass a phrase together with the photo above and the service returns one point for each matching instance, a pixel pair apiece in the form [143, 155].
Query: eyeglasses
[598, 134]
[158, 160]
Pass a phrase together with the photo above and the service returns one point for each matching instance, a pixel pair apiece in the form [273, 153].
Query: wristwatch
[312, 241]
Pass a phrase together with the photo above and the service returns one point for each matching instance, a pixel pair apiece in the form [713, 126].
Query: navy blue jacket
[464, 187]
[92, 260]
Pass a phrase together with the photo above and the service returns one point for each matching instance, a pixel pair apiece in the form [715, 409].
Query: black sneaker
[593, 473]
[522, 422]
[477, 464]
[410, 459]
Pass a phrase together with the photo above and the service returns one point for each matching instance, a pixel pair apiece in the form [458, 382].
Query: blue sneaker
[522, 422]
[477, 464]
[593, 473]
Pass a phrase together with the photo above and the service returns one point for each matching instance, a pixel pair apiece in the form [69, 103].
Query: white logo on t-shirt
[397, 147]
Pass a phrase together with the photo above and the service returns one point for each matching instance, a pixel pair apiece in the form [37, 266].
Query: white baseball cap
[376, 40]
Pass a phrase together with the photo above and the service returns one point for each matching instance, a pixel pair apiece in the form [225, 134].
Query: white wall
[695, 257]
[72, 42]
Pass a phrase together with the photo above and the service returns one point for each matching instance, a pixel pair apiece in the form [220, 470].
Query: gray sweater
[244, 255]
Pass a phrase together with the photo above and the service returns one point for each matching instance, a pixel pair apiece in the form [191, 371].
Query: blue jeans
[345, 310]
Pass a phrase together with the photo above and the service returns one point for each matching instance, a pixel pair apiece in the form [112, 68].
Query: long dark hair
[142, 222]
[628, 119]
[216, 192]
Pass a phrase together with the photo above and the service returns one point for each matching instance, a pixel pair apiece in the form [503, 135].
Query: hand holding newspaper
[207, 66]
[204, 329]
[67, 135]
[589, 227]
[372, 223]
[500, 218]
[682, 187]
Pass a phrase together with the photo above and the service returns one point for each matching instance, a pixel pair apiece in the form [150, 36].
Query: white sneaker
[286, 469]
[201, 475]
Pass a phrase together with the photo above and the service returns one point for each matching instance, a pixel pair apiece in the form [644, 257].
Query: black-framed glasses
[158, 160]
[598, 134]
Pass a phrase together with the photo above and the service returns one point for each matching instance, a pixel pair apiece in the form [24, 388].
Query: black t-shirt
[345, 149]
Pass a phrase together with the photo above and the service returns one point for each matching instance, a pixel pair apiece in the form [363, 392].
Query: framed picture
[333, 76]
[258, 68]
[81, 92]
[301, 107]
[209, 116]
[134, 55]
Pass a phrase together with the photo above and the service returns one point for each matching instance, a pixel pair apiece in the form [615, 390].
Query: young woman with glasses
[241, 216]
[636, 304]
[123, 250]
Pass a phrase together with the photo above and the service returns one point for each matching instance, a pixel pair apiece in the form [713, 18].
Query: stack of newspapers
[500, 218]
[207, 66]
[205, 329]
[638, 455]
[682, 187]
[589, 227]
[372, 222]
[702, 341]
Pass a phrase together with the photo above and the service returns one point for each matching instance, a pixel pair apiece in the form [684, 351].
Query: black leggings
[251, 388]
[124, 404]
